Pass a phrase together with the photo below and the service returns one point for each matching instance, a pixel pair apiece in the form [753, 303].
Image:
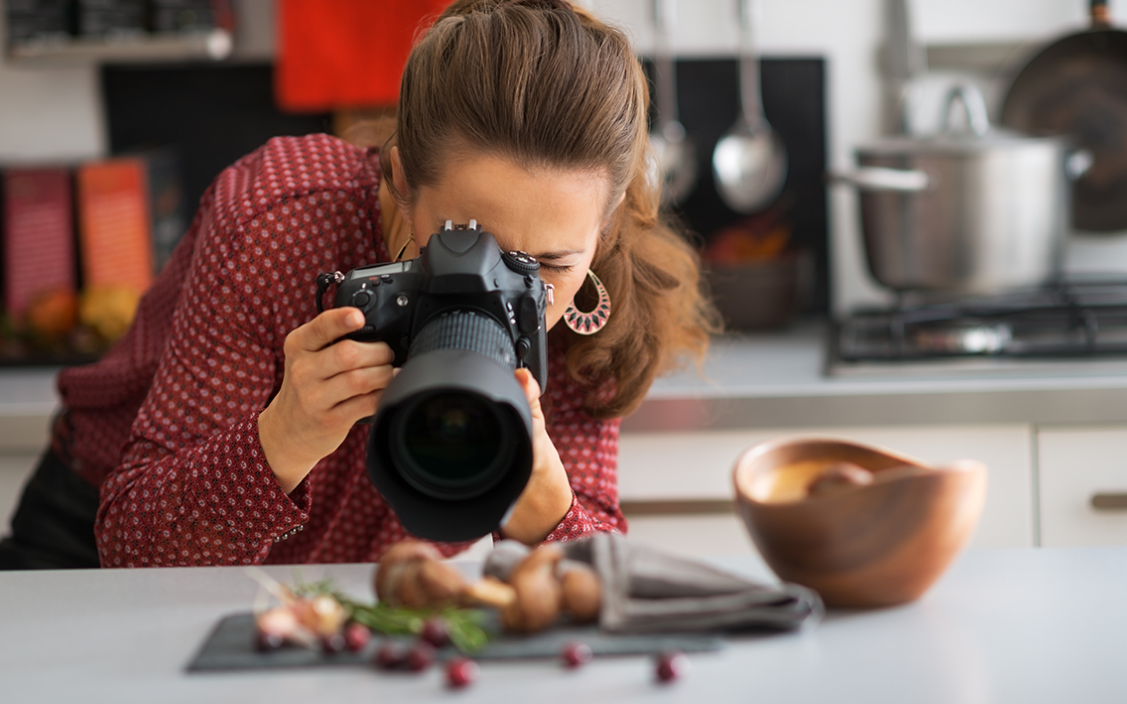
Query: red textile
[346, 53]
[182, 390]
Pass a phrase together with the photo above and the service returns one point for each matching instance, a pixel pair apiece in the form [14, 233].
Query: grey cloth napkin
[646, 590]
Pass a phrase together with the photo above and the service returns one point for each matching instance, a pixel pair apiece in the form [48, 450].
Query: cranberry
[356, 637]
[435, 632]
[461, 672]
[333, 643]
[671, 666]
[266, 642]
[576, 653]
[419, 657]
[391, 654]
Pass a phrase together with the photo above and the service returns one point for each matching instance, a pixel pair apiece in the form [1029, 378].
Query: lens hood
[467, 412]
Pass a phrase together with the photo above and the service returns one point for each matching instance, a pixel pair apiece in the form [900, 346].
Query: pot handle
[1077, 163]
[974, 107]
[1100, 14]
[879, 178]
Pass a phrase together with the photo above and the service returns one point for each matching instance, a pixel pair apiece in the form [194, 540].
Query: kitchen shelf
[212, 45]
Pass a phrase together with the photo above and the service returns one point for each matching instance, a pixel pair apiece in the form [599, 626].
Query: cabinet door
[1075, 467]
[667, 469]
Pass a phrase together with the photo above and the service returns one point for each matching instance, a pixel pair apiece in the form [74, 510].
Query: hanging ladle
[750, 161]
[675, 158]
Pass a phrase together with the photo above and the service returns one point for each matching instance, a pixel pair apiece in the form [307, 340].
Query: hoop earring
[591, 322]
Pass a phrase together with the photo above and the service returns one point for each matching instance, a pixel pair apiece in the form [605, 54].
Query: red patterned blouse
[167, 422]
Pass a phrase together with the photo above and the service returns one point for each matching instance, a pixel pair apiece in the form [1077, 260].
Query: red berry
[419, 657]
[461, 672]
[672, 665]
[357, 636]
[333, 643]
[391, 654]
[266, 642]
[576, 653]
[435, 632]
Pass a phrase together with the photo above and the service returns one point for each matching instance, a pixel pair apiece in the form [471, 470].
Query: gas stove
[1067, 325]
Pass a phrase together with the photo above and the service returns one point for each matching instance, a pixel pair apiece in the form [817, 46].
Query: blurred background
[116, 114]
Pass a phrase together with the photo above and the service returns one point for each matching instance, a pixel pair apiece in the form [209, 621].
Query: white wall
[48, 114]
[51, 113]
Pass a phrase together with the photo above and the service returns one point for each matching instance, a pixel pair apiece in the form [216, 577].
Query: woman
[237, 416]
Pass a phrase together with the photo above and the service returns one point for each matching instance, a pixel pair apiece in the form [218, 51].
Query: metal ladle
[750, 161]
[674, 165]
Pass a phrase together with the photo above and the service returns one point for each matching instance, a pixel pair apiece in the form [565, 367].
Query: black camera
[451, 445]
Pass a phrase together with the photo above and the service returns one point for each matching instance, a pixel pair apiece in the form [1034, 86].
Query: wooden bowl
[877, 544]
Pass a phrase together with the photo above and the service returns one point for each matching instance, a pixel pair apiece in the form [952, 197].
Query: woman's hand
[325, 390]
[547, 497]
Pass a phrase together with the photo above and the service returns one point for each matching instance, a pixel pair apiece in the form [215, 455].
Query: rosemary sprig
[466, 627]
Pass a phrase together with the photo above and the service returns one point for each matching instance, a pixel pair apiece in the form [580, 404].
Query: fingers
[529, 385]
[311, 346]
[357, 382]
[328, 327]
[531, 390]
[350, 355]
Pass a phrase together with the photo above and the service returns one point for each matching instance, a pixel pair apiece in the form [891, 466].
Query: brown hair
[549, 85]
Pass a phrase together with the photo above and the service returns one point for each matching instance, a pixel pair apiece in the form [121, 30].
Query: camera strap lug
[323, 283]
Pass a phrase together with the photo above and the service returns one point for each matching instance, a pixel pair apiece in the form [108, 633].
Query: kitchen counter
[780, 380]
[777, 380]
[1025, 625]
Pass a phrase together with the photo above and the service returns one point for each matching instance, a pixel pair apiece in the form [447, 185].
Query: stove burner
[1065, 319]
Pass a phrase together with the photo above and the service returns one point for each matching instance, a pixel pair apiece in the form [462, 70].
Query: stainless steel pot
[971, 210]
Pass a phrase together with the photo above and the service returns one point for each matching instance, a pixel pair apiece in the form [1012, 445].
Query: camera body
[461, 269]
[450, 447]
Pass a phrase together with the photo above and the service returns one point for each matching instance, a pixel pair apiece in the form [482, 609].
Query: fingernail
[356, 319]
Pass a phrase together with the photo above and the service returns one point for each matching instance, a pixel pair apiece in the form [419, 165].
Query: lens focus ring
[466, 330]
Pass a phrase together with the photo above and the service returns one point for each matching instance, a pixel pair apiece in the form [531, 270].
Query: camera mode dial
[521, 262]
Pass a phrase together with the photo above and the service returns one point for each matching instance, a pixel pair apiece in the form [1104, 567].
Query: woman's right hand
[326, 388]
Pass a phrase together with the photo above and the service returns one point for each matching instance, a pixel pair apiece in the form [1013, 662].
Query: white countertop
[1029, 625]
[778, 380]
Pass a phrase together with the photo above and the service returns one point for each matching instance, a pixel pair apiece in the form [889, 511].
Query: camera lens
[452, 443]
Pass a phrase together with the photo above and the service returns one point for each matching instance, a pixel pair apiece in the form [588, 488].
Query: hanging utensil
[905, 60]
[1075, 87]
[675, 157]
[750, 161]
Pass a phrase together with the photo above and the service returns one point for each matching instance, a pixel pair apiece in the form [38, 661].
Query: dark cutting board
[231, 646]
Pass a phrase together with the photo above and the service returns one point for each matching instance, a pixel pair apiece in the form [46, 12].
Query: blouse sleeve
[193, 486]
[589, 450]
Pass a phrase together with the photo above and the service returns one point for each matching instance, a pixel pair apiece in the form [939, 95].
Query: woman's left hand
[548, 496]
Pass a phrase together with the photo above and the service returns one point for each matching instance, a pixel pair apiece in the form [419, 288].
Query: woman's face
[554, 215]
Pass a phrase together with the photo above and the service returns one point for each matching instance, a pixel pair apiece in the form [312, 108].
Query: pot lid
[948, 143]
[974, 134]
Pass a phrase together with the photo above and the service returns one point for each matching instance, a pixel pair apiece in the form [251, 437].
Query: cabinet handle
[1109, 501]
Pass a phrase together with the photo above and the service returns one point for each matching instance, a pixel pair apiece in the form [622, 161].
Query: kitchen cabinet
[674, 485]
[1074, 465]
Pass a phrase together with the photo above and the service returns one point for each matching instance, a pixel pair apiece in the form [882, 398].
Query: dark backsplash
[794, 103]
